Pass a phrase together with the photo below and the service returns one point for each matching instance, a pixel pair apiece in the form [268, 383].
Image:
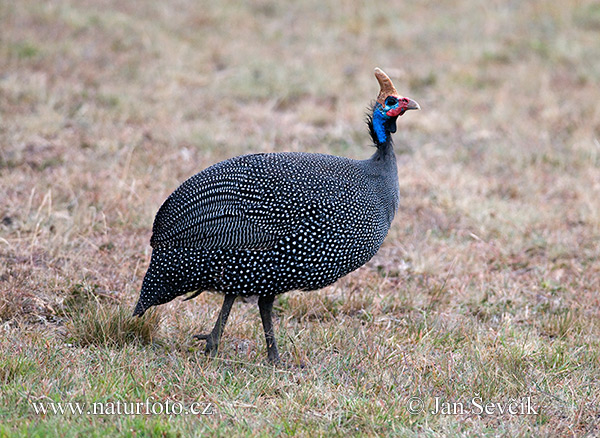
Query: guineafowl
[265, 224]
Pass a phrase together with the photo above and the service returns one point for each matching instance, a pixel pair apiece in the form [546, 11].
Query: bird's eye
[391, 101]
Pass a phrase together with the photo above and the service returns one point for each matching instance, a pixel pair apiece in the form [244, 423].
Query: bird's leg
[265, 305]
[212, 339]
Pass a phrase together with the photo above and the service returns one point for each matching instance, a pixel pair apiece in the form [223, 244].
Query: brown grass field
[486, 289]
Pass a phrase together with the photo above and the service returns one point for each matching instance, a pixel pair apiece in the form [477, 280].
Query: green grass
[486, 286]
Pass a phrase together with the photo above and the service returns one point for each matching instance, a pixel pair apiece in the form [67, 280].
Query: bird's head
[387, 108]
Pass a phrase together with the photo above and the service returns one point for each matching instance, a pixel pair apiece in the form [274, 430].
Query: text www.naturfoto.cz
[149, 407]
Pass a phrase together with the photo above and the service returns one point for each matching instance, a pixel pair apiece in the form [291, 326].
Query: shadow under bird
[265, 224]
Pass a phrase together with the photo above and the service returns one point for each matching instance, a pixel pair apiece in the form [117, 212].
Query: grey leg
[212, 339]
[265, 305]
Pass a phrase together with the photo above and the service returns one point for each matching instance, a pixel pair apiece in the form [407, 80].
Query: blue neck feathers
[381, 127]
[381, 134]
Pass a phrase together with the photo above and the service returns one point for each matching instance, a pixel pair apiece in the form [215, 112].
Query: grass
[93, 322]
[487, 285]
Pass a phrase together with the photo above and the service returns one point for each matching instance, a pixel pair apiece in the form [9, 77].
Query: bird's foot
[273, 359]
[212, 344]
[286, 363]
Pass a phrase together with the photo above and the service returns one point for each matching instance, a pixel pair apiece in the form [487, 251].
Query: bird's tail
[162, 280]
[149, 294]
[139, 308]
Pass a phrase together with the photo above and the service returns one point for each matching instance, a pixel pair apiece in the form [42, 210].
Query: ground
[485, 292]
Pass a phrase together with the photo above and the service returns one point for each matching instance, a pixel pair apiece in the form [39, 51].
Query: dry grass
[92, 321]
[487, 283]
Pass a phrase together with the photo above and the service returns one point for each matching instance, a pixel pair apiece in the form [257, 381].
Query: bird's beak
[412, 105]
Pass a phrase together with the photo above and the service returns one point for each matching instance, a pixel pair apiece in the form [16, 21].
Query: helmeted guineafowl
[265, 224]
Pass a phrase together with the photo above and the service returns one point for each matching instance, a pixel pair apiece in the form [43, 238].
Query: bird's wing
[248, 202]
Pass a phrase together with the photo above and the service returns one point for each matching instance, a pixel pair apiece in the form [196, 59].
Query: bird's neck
[385, 152]
[382, 165]
[382, 137]
[383, 162]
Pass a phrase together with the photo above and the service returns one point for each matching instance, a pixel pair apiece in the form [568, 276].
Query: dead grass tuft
[96, 320]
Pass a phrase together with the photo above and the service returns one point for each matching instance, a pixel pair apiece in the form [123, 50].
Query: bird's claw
[211, 345]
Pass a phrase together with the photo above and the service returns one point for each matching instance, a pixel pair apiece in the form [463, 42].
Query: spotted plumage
[265, 224]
